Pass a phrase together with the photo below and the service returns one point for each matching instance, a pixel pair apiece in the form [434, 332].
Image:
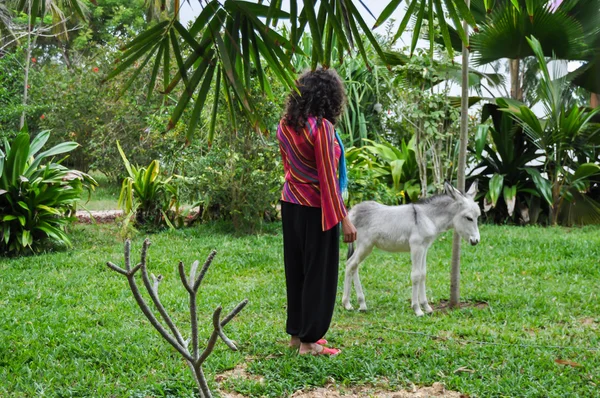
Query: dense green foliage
[207, 134]
[37, 195]
[69, 325]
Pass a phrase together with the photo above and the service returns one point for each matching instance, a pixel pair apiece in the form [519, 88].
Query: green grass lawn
[69, 326]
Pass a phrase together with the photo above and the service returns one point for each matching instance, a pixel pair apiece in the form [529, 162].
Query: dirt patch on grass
[239, 372]
[444, 305]
[589, 322]
[436, 390]
[335, 391]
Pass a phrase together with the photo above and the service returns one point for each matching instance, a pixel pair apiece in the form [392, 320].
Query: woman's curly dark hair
[321, 94]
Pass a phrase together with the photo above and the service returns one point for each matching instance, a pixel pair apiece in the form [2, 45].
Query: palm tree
[569, 31]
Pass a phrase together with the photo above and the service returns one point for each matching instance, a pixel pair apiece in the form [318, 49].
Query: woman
[312, 207]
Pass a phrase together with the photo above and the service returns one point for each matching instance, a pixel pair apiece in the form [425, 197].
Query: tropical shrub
[504, 154]
[37, 200]
[147, 194]
[566, 139]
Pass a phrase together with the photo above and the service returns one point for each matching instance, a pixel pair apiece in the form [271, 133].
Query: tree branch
[194, 360]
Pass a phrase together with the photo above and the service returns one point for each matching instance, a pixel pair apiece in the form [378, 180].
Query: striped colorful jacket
[310, 160]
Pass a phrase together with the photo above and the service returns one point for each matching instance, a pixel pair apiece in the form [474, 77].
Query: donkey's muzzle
[473, 242]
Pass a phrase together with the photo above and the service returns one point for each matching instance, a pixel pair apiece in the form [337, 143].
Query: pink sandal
[328, 351]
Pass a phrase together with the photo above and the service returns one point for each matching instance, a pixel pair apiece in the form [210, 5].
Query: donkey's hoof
[363, 308]
[428, 309]
[348, 306]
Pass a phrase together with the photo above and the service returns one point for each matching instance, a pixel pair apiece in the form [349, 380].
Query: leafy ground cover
[69, 326]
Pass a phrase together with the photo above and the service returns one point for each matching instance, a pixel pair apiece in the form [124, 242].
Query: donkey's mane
[435, 199]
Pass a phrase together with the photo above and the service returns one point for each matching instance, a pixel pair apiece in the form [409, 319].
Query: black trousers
[311, 258]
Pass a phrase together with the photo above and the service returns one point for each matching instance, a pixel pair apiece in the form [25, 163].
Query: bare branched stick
[153, 292]
[193, 359]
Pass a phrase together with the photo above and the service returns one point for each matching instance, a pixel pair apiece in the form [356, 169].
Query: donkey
[413, 227]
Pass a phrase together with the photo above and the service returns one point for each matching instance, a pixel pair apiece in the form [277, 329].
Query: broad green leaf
[38, 142]
[586, 170]
[50, 210]
[495, 188]
[481, 138]
[16, 160]
[396, 167]
[27, 238]
[2, 157]
[58, 149]
[542, 184]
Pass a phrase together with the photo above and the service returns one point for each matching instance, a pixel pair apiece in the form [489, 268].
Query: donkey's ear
[451, 191]
[472, 190]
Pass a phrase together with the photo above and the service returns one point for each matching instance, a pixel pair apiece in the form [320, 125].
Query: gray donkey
[409, 228]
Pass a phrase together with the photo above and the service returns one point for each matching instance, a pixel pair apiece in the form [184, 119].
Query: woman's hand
[348, 230]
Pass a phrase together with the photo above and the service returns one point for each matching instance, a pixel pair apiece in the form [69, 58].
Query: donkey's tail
[350, 250]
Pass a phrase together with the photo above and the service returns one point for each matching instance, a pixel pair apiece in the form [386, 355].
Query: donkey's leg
[360, 295]
[352, 265]
[417, 253]
[422, 292]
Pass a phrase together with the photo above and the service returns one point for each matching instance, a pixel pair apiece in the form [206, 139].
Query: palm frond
[504, 35]
[236, 38]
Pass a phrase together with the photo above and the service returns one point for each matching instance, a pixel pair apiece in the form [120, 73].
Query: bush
[37, 201]
[240, 183]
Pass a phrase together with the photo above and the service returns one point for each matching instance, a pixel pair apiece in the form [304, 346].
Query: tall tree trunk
[595, 100]
[516, 91]
[462, 160]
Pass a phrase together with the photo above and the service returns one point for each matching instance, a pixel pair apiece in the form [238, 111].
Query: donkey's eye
[469, 218]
